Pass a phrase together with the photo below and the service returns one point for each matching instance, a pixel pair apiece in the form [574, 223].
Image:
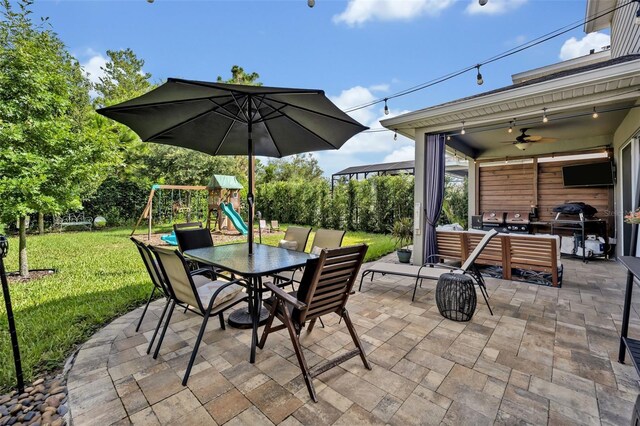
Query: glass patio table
[265, 260]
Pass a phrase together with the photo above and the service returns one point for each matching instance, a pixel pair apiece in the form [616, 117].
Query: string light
[386, 107]
[479, 78]
[462, 132]
[511, 126]
[311, 3]
[595, 113]
[448, 137]
[395, 134]
[544, 115]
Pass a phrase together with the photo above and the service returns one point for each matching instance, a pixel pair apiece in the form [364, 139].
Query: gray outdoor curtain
[434, 168]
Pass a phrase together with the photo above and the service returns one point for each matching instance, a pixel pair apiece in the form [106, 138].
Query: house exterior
[592, 110]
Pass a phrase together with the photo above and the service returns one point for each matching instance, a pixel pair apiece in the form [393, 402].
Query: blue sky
[355, 50]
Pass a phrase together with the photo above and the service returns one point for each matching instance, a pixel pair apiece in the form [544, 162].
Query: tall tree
[51, 152]
[239, 76]
[123, 79]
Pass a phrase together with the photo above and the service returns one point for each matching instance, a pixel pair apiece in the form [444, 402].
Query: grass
[100, 277]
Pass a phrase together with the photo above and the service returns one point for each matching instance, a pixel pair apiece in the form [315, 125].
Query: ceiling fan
[523, 141]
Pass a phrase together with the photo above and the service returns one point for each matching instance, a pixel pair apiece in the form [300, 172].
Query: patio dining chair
[324, 238]
[195, 238]
[187, 225]
[195, 293]
[325, 288]
[156, 278]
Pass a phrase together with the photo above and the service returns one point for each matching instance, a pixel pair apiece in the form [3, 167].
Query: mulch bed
[14, 277]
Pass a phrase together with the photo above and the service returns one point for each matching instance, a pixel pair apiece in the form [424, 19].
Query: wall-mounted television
[590, 174]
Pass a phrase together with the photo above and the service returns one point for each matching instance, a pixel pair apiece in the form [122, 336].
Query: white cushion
[289, 245]
[206, 290]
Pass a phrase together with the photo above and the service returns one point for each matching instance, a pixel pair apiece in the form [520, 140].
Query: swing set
[171, 207]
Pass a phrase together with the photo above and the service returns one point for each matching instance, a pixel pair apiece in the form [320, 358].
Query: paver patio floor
[547, 356]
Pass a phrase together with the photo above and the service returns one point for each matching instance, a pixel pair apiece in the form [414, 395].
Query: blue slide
[235, 218]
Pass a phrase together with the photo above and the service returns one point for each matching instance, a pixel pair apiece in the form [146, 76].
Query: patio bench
[77, 220]
[535, 253]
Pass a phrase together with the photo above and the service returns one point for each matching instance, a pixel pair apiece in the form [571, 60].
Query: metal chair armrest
[284, 296]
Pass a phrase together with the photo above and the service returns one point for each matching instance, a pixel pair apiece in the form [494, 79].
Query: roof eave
[403, 123]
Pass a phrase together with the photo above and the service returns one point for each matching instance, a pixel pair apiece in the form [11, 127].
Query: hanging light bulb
[595, 113]
[149, 1]
[544, 115]
[395, 134]
[483, 2]
[510, 127]
[462, 132]
[479, 79]
[448, 137]
[386, 107]
[311, 3]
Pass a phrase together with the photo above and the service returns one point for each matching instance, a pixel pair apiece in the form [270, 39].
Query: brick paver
[547, 356]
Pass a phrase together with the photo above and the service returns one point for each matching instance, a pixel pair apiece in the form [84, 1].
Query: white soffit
[596, 8]
[605, 85]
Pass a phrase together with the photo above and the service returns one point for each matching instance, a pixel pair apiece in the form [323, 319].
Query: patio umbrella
[230, 119]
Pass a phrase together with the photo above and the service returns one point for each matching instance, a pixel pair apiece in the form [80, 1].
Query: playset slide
[235, 218]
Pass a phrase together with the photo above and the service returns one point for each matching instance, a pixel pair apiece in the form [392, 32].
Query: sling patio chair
[275, 226]
[324, 238]
[433, 271]
[206, 298]
[151, 264]
[262, 226]
[295, 234]
[195, 238]
[187, 225]
[325, 288]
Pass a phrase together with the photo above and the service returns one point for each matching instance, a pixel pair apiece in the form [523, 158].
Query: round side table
[456, 297]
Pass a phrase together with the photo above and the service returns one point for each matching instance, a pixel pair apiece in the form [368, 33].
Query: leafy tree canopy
[297, 167]
[51, 152]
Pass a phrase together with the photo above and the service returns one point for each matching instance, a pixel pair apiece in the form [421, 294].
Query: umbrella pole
[250, 163]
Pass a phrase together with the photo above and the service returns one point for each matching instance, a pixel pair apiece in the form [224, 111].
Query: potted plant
[402, 231]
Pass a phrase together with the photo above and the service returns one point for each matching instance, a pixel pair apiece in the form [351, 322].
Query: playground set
[221, 204]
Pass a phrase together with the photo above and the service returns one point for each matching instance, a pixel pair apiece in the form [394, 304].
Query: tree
[124, 79]
[51, 151]
[298, 167]
[239, 76]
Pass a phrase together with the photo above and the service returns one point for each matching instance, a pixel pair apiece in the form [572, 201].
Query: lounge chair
[262, 225]
[206, 297]
[326, 285]
[433, 271]
[275, 226]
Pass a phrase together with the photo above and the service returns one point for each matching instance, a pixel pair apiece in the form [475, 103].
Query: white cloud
[93, 66]
[366, 147]
[360, 11]
[405, 153]
[574, 48]
[493, 7]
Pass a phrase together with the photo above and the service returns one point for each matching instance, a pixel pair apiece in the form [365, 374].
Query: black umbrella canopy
[214, 118]
[231, 119]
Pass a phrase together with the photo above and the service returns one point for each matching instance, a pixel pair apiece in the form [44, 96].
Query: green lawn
[100, 276]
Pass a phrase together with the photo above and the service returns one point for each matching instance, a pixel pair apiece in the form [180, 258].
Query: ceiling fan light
[522, 145]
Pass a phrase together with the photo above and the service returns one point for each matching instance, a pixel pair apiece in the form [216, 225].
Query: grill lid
[493, 217]
[517, 218]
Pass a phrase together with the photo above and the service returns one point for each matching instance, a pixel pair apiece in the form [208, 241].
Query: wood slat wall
[551, 191]
[511, 188]
[506, 188]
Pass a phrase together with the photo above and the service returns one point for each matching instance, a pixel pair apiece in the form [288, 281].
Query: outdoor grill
[492, 220]
[518, 222]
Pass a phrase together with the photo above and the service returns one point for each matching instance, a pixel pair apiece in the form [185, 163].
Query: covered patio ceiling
[568, 97]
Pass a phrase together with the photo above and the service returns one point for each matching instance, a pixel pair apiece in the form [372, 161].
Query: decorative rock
[50, 410]
[30, 415]
[13, 409]
[58, 422]
[38, 397]
[58, 389]
[28, 389]
[62, 410]
[4, 399]
[37, 382]
[3, 411]
[53, 401]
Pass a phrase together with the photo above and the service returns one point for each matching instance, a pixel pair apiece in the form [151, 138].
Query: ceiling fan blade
[533, 138]
[546, 140]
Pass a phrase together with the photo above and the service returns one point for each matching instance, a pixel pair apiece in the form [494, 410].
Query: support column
[471, 190]
[418, 197]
